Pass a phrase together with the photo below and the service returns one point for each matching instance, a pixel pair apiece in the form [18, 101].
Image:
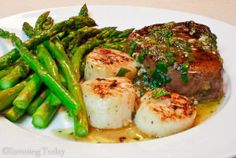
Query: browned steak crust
[177, 44]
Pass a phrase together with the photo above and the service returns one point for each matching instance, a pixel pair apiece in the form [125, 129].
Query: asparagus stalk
[19, 72]
[47, 61]
[76, 22]
[28, 29]
[46, 111]
[7, 96]
[35, 65]
[83, 10]
[37, 102]
[93, 42]
[117, 46]
[48, 24]
[125, 33]
[80, 119]
[13, 114]
[40, 22]
[6, 71]
[25, 97]
[9, 58]
[76, 38]
[31, 89]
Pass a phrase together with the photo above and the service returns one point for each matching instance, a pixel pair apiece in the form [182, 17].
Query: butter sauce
[131, 133]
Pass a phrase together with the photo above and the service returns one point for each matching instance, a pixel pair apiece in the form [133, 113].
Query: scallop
[166, 115]
[109, 102]
[103, 63]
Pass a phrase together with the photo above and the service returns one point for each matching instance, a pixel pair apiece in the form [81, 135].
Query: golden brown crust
[109, 56]
[171, 107]
[106, 87]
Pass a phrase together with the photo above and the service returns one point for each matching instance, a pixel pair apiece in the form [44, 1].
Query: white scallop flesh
[109, 102]
[166, 115]
[104, 63]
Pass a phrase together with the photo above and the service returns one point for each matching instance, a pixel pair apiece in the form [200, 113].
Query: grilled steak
[181, 56]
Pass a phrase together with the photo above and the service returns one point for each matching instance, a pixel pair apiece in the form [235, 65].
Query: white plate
[213, 138]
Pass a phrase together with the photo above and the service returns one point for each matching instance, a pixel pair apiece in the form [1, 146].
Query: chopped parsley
[132, 48]
[184, 72]
[122, 72]
[159, 76]
[141, 58]
[158, 92]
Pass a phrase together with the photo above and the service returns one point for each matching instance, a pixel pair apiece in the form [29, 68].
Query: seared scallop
[109, 102]
[103, 63]
[165, 115]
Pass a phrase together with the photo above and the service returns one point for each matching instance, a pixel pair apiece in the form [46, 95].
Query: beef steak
[189, 51]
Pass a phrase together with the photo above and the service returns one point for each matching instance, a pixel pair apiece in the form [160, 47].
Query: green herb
[122, 72]
[161, 66]
[132, 48]
[170, 56]
[164, 32]
[182, 45]
[190, 57]
[159, 76]
[158, 92]
[159, 79]
[141, 58]
[184, 72]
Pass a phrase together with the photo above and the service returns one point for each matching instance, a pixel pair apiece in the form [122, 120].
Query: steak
[182, 56]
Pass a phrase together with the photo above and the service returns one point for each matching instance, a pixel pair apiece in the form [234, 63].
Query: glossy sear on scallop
[102, 63]
[109, 102]
[165, 115]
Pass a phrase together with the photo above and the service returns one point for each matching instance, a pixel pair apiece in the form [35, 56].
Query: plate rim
[137, 7]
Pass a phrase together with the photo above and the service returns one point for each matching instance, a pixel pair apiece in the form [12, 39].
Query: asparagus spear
[25, 97]
[117, 46]
[13, 114]
[28, 93]
[47, 61]
[125, 33]
[37, 102]
[28, 29]
[46, 111]
[93, 42]
[76, 22]
[9, 58]
[40, 21]
[48, 24]
[75, 38]
[80, 118]
[83, 10]
[7, 96]
[6, 71]
[43, 23]
[19, 72]
[35, 65]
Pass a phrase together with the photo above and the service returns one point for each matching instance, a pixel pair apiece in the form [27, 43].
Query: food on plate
[109, 102]
[186, 55]
[102, 63]
[162, 113]
[122, 85]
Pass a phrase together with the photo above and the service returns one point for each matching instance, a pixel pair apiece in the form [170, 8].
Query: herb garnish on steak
[180, 56]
